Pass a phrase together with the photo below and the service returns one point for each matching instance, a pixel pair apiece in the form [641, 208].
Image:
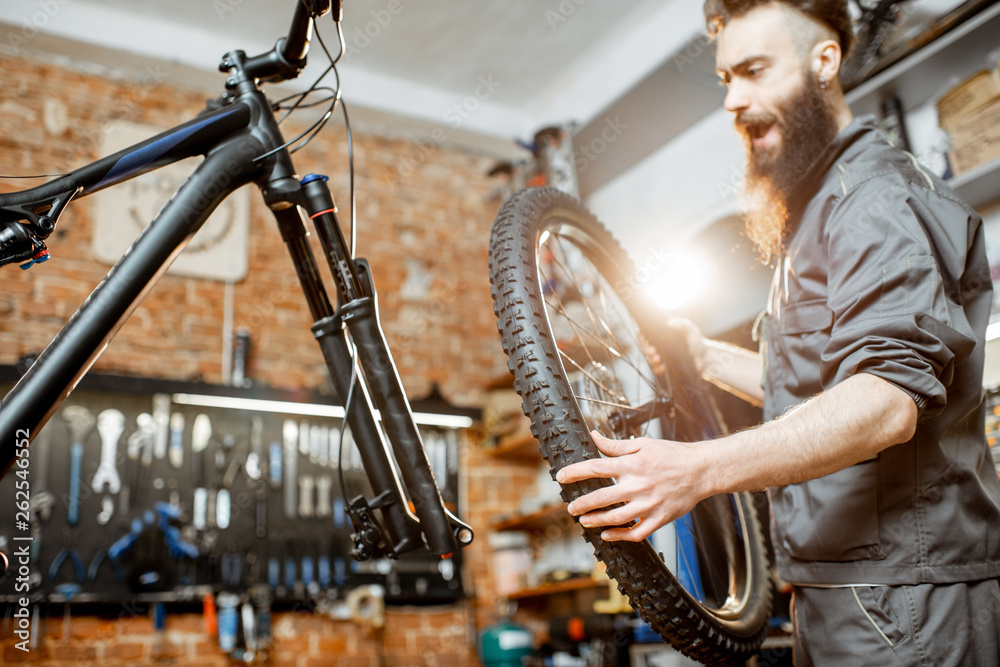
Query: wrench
[254, 464]
[176, 451]
[201, 433]
[41, 499]
[80, 421]
[274, 467]
[323, 458]
[161, 416]
[290, 431]
[304, 432]
[139, 443]
[223, 507]
[323, 485]
[110, 425]
[306, 496]
[316, 440]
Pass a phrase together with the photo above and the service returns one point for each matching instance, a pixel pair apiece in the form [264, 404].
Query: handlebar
[288, 56]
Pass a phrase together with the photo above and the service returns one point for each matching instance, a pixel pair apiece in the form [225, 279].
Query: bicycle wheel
[577, 335]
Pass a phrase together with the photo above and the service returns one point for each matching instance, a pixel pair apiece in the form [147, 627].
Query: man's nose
[737, 98]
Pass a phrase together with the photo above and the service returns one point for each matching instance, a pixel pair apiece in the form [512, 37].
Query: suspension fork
[379, 383]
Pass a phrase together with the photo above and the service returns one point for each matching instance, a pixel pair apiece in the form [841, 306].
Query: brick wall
[423, 219]
[423, 223]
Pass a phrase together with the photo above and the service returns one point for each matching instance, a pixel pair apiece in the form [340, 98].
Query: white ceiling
[548, 61]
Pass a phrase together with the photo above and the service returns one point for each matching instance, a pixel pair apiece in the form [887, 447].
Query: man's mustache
[750, 122]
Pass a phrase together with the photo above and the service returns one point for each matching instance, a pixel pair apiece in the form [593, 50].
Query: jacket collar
[859, 128]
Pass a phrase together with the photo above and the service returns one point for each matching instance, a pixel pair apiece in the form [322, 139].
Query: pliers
[68, 551]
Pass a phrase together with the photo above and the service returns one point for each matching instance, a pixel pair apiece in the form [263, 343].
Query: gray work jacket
[885, 273]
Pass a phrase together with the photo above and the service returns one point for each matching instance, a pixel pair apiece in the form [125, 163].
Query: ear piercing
[823, 83]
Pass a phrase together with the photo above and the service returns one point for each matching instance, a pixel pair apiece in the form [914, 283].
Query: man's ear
[825, 60]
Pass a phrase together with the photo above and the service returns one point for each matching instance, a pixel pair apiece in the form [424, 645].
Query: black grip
[296, 44]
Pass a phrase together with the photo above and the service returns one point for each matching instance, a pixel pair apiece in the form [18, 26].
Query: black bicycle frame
[231, 138]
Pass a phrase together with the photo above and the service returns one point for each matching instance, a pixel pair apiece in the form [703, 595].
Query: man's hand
[657, 480]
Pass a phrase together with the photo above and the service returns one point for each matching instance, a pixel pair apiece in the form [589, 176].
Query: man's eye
[755, 71]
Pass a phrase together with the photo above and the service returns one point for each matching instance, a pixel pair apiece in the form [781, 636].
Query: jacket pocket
[832, 518]
[878, 612]
[802, 318]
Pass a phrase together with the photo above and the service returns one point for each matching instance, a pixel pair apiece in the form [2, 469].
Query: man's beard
[806, 124]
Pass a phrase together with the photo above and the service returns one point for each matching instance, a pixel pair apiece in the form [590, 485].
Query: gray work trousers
[928, 625]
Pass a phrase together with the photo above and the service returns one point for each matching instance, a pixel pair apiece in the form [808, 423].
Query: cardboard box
[975, 139]
[968, 97]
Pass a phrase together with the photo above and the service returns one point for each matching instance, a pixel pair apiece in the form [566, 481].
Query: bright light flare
[676, 279]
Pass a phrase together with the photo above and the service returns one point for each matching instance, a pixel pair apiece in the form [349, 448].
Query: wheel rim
[618, 393]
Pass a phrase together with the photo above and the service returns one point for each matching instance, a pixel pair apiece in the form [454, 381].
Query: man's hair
[831, 13]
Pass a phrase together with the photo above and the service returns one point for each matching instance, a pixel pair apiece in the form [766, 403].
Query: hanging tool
[208, 614]
[140, 454]
[67, 552]
[273, 572]
[255, 459]
[232, 569]
[223, 509]
[176, 451]
[290, 432]
[107, 511]
[323, 447]
[306, 496]
[323, 485]
[95, 565]
[274, 465]
[260, 527]
[161, 418]
[317, 440]
[80, 422]
[68, 591]
[201, 433]
[228, 620]
[249, 627]
[304, 433]
[41, 500]
[291, 576]
[110, 426]
[325, 578]
[308, 575]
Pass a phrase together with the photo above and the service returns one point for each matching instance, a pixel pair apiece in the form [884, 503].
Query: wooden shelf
[567, 586]
[929, 71]
[518, 447]
[536, 521]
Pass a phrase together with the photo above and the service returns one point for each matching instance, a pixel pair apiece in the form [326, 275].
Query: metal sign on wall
[219, 251]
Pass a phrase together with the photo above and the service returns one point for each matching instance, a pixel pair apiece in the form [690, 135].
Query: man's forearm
[735, 369]
[854, 420]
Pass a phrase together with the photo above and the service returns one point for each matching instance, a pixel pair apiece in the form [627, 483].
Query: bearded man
[885, 499]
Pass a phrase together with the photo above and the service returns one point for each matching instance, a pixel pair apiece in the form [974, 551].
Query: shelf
[517, 447]
[536, 521]
[929, 71]
[567, 586]
[980, 185]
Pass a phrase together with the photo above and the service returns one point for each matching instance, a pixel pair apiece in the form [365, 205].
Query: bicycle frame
[231, 138]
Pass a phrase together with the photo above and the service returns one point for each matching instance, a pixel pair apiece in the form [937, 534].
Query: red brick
[75, 651]
[124, 651]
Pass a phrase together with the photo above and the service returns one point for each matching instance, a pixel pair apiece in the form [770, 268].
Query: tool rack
[144, 544]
